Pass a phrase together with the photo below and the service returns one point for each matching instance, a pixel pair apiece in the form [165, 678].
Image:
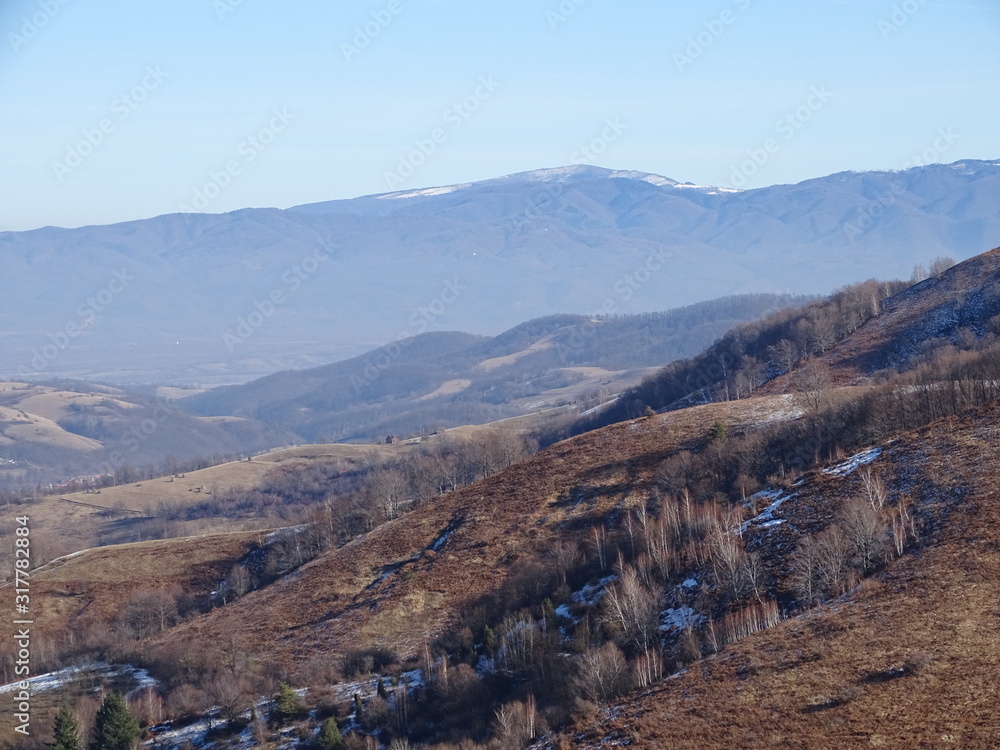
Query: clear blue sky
[894, 73]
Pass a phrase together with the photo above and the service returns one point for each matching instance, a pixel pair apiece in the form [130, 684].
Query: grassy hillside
[51, 432]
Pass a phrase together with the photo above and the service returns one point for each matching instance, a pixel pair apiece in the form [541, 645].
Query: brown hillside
[392, 589]
[967, 296]
[852, 674]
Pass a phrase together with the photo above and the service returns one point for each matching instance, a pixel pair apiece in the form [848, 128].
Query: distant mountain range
[194, 298]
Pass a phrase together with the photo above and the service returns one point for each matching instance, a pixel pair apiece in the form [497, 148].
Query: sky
[119, 110]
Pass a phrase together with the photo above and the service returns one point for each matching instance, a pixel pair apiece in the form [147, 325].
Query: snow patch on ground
[854, 462]
[288, 530]
[679, 618]
[426, 191]
[595, 409]
[766, 517]
[690, 583]
[592, 592]
[54, 680]
[439, 542]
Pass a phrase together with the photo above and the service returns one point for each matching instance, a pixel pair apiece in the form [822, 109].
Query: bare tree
[866, 530]
[833, 551]
[230, 692]
[875, 489]
[603, 673]
[728, 560]
[785, 354]
[940, 265]
[633, 609]
[565, 556]
[238, 581]
[805, 563]
[814, 383]
[389, 489]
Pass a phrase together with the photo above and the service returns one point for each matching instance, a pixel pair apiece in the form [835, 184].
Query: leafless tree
[940, 265]
[603, 673]
[833, 550]
[239, 581]
[728, 560]
[805, 563]
[785, 354]
[866, 530]
[389, 489]
[875, 490]
[633, 609]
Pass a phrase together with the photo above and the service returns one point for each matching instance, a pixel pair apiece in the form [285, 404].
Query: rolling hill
[436, 380]
[52, 433]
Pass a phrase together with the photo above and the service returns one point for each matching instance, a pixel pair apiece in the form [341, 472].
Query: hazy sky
[115, 110]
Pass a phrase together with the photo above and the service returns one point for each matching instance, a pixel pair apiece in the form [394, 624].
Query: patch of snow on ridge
[425, 191]
[854, 462]
[766, 517]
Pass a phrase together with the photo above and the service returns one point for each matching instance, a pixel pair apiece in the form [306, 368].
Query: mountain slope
[51, 432]
[260, 290]
[906, 659]
[434, 380]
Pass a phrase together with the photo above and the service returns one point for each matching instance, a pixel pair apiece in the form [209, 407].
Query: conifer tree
[66, 730]
[115, 728]
[288, 704]
[330, 736]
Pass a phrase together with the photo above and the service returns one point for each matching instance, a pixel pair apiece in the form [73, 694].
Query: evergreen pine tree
[329, 735]
[66, 730]
[115, 728]
[288, 704]
[489, 641]
[719, 432]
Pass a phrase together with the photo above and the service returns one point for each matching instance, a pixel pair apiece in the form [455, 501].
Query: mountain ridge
[578, 241]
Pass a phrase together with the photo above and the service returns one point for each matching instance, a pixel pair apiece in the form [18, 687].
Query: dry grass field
[908, 659]
[404, 582]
